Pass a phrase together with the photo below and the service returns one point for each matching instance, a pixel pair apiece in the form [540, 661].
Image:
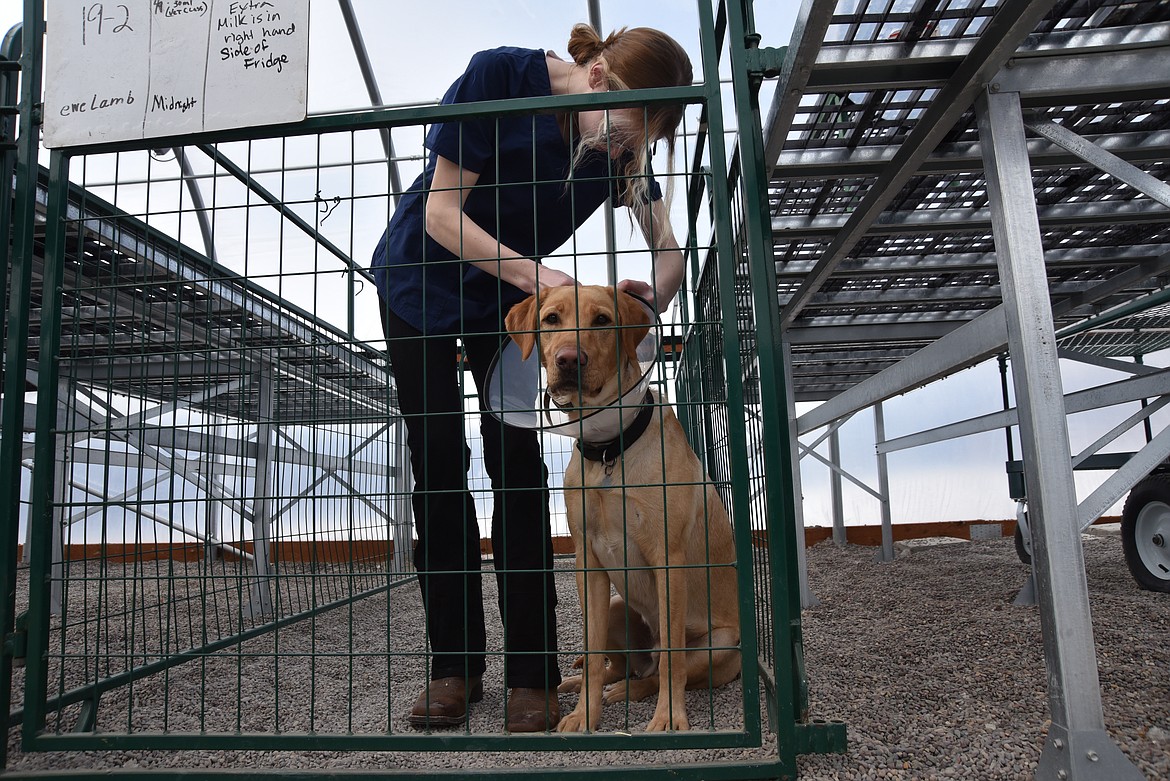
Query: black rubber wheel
[1021, 548]
[1145, 533]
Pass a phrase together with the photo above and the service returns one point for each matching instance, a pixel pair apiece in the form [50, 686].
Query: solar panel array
[145, 316]
[879, 207]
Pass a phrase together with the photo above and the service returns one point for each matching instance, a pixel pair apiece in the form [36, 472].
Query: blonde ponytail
[636, 58]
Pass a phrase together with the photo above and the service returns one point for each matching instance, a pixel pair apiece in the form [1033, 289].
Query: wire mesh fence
[225, 461]
[229, 496]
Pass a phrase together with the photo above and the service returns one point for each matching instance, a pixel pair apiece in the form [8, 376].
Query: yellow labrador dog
[645, 519]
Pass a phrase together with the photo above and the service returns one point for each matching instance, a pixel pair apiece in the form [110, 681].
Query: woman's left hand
[642, 290]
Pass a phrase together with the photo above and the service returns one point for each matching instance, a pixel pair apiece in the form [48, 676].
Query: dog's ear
[631, 313]
[521, 324]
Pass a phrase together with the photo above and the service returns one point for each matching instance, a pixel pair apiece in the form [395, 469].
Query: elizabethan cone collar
[516, 396]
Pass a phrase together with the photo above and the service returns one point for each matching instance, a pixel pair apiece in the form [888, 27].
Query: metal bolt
[1059, 744]
[1062, 774]
[1159, 540]
[1092, 755]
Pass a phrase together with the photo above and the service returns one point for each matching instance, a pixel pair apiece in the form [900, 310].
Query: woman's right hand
[447, 224]
[550, 277]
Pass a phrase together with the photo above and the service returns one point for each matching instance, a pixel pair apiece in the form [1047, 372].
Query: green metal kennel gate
[152, 613]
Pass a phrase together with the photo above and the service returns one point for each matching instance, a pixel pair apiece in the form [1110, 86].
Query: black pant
[447, 555]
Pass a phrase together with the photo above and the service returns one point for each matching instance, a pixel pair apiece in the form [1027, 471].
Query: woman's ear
[599, 75]
[521, 324]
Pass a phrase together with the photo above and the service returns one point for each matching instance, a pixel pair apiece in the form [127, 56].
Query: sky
[417, 48]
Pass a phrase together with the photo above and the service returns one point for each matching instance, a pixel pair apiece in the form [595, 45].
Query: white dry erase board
[131, 69]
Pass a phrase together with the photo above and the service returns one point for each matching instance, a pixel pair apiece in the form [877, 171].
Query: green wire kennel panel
[223, 463]
[218, 525]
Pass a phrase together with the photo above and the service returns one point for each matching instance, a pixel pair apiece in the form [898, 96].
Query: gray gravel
[935, 673]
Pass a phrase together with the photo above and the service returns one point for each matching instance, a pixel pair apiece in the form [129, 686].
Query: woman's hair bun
[585, 43]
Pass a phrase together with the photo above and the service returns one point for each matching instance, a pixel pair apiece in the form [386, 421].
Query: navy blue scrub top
[521, 198]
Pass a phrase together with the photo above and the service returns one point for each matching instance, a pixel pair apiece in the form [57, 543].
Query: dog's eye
[552, 318]
[601, 320]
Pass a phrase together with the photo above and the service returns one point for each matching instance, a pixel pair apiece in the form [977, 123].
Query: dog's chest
[615, 523]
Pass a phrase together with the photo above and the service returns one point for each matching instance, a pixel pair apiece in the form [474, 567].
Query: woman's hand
[447, 224]
[550, 277]
[644, 291]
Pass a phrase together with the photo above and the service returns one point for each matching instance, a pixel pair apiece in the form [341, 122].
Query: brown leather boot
[444, 702]
[532, 710]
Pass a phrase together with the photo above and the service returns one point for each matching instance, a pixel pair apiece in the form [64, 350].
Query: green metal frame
[773, 652]
[17, 292]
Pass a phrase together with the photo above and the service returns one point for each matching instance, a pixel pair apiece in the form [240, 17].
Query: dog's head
[587, 339]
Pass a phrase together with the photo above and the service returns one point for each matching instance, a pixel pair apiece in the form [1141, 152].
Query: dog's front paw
[631, 689]
[570, 685]
[575, 722]
[615, 693]
[665, 721]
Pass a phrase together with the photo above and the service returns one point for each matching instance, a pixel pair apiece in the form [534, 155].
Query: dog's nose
[570, 360]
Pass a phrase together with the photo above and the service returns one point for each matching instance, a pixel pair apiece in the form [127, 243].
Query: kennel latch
[764, 62]
[16, 643]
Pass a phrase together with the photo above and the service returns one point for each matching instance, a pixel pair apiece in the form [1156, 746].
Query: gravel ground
[938, 675]
[934, 671]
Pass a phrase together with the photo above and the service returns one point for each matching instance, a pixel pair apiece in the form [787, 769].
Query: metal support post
[807, 598]
[611, 274]
[61, 479]
[202, 214]
[835, 494]
[261, 602]
[1077, 746]
[879, 435]
[56, 546]
[401, 513]
[214, 518]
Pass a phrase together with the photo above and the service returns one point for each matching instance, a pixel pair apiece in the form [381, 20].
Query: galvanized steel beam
[1146, 386]
[967, 345]
[842, 162]
[1103, 159]
[1077, 745]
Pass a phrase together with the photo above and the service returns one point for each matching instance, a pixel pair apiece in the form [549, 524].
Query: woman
[497, 194]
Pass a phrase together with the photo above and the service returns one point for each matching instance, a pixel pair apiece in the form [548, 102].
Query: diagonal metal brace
[1103, 159]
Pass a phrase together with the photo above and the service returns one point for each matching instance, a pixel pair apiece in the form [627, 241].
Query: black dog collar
[608, 452]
